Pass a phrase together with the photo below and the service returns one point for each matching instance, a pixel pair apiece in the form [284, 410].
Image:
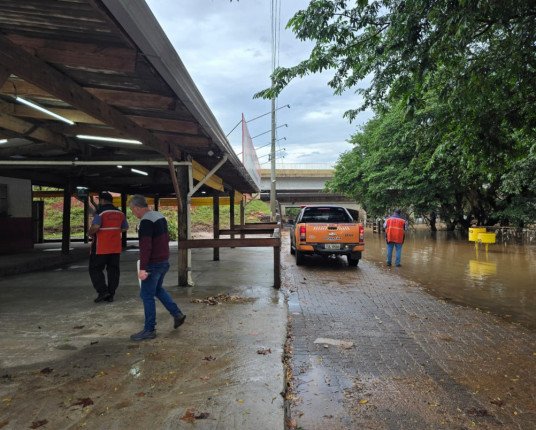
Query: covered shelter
[94, 96]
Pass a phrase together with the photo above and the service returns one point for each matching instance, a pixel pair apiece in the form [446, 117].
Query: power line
[253, 119]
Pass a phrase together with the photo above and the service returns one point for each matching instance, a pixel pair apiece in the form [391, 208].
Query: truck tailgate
[335, 233]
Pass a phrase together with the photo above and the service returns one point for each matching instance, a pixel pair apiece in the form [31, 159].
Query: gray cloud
[226, 49]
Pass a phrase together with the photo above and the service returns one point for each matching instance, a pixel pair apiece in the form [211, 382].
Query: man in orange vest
[106, 248]
[395, 232]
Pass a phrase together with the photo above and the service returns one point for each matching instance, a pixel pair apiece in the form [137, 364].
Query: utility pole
[272, 164]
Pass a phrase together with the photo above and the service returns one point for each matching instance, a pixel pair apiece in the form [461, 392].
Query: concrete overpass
[303, 184]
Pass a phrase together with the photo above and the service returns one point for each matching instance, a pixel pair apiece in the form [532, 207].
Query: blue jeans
[398, 247]
[151, 288]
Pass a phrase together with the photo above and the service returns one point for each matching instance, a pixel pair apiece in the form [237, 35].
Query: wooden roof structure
[108, 67]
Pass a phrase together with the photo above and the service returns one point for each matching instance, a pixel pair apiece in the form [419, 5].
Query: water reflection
[501, 280]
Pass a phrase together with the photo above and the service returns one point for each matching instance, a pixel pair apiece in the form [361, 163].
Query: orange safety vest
[394, 230]
[109, 234]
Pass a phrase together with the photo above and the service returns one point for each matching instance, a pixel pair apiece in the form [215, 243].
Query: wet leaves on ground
[477, 412]
[191, 415]
[39, 423]
[224, 298]
[264, 351]
[209, 358]
[86, 401]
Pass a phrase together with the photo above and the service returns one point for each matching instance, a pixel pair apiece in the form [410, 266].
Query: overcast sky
[226, 47]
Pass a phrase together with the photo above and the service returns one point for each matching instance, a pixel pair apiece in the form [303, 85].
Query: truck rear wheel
[352, 262]
[291, 248]
[299, 258]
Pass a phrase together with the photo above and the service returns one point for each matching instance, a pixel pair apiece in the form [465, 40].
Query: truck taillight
[302, 233]
[361, 234]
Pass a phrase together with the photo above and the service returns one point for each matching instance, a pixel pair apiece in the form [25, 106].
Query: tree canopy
[452, 85]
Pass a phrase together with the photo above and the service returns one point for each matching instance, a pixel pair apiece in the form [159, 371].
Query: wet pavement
[388, 355]
[68, 363]
[415, 361]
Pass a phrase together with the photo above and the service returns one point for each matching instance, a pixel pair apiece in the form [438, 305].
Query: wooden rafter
[39, 73]
[131, 99]
[4, 75]
[79, 55]
[29, 129]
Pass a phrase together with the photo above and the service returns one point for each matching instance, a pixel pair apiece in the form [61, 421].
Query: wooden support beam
[216, 224]
[36, 71]
[184, 140]
[29, 149]
[122, 98]
[182, 178]
[66, 224]
[132, 99]
[257, 225]
[4, 75]
[232, 211]
[78, 55]
[166, 125]
[28, 129]
[86, 218]
[244, 231]
[229, 243]
[72, 114]
[277, 266]
[242, 215]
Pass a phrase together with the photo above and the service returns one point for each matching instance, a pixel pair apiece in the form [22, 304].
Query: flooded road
[502, 280]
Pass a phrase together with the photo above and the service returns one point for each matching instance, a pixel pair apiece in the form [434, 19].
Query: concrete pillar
[216, 223]
[66, 225]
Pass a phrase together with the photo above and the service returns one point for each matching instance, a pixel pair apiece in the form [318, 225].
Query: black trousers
[97, 264]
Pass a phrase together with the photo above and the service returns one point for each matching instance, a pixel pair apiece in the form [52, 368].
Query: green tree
[455, 78]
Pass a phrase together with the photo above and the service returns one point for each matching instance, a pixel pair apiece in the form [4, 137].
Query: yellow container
[486, 237]
[473, 233]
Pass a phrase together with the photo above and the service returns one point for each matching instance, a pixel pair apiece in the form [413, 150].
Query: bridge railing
[303, 166]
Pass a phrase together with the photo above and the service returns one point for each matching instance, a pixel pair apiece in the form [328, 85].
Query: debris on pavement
[191, 415]
[39, 423]
[224, 298]
[346, 344]
[264, 351]
[86, 401]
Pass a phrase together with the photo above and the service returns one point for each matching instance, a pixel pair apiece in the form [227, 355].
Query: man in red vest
[106, 247]
[395, 232]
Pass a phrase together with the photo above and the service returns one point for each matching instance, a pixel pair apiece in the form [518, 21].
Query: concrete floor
[67, 362]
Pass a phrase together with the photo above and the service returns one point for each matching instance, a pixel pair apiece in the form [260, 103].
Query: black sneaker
[144, 335]
[178, 320]
[110, 298]
[102, 298]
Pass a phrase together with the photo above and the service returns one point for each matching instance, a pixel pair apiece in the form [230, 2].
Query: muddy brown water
[501, 280]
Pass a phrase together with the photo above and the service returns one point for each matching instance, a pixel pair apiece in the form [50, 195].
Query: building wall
[16, 226]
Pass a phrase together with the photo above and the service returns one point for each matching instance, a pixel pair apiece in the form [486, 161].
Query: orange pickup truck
[326, 230]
